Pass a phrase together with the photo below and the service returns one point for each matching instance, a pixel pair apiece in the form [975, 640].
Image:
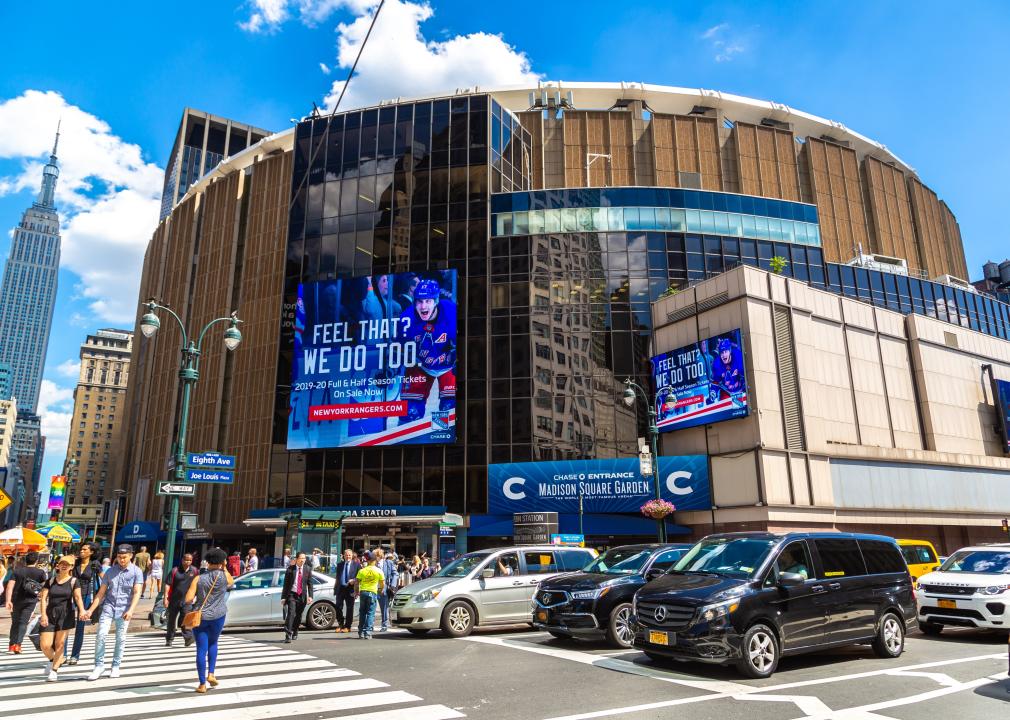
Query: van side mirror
[487, 573]
[654, 573]
[788, 579]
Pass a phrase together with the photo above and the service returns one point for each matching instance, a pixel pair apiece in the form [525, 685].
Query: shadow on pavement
[999, 690]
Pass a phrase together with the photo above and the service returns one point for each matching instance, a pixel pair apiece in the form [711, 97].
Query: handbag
[194, 617]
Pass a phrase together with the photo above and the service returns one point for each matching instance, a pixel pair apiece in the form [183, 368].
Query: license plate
[542, 616]
[948, 604]
[658, 638]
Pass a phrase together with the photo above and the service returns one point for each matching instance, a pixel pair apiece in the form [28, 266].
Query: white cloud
[324, 68]
[723, 43]
[69, 369]
[399, 60]
[107, 195]
[56, 407]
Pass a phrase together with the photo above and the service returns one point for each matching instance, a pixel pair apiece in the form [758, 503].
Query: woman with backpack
[22, 595]
[61, 602]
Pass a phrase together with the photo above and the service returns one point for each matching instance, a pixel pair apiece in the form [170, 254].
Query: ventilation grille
[791, 414]
[712, 302]
[689, 180]
[682, 314]
[950, 339]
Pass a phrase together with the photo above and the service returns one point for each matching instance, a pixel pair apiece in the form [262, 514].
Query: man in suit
[295, 595]
[343, 591]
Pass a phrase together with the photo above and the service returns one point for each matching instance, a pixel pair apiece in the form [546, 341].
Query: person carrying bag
[207, 622]
[194, 617]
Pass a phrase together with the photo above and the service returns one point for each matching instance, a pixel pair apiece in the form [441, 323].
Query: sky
[926, 79]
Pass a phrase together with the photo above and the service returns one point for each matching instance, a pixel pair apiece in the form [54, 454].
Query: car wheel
[620, 631]
[760, 650]
[418, 631]
[458, 619]
[931, 629]
[320, 616]
[560, 635]
[890, 640]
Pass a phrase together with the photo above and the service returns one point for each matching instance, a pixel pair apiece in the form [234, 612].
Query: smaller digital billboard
[1001, 391]
[57, 488]
[701, 383]
[374, 361]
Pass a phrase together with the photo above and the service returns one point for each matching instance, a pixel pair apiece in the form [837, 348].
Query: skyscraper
[28, 293]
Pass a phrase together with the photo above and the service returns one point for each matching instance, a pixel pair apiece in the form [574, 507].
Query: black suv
[596, 602]
[749, 598]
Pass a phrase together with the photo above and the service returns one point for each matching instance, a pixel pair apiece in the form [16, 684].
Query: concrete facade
[890, 428]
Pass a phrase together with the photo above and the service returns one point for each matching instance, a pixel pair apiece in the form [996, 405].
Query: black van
[596, 602]
[750, 598]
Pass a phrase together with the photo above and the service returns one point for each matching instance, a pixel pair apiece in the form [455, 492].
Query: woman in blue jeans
[87, 571]
[209, 594]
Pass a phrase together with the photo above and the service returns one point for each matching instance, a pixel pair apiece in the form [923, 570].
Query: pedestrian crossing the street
[258, 681]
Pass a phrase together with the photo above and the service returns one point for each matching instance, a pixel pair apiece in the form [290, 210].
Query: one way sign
[171, 487]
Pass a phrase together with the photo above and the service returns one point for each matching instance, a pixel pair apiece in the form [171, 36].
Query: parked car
[920, 556]
[255, 599]
[489, 587]
[750, 598]
[971, 589]
[596, 602]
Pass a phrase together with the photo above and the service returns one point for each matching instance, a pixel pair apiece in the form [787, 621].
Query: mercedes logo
[660, 614]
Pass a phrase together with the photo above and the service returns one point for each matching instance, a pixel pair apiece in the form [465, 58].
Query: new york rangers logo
[440, 419]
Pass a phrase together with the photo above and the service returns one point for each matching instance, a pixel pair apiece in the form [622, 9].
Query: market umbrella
[56, 531]
[20, 540]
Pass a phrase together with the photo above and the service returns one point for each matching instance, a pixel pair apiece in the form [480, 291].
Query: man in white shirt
[287, 558]
[252, 561]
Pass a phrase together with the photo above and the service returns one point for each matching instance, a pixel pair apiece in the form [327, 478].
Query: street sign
[533, 528]
[5, 500]
[199, 475]
[211, 461]
[171, 487]
[568, 540]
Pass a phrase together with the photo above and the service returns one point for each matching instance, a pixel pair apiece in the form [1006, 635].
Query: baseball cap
[366, 555]
[124, 548]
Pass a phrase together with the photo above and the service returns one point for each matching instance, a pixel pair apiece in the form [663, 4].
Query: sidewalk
[139, 622]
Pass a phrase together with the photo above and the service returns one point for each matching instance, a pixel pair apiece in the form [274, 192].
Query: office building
[96, 429]
[202, 142]
[565, 210]
[28, 294]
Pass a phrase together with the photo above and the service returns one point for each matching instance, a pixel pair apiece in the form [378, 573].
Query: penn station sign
[614, 485]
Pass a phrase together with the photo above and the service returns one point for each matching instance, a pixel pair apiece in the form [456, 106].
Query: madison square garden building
[437, 291]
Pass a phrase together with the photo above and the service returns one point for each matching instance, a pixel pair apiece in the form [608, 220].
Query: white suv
[971, 589]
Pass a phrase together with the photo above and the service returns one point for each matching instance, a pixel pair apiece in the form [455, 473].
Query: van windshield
[737, 557]
[620, 561]
[978, 561]
[462, 566]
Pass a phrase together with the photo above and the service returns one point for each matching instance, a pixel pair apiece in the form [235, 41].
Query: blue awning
[139, 531]
[595, 525]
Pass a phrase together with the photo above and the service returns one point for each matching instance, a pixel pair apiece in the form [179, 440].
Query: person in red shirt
[235, 564]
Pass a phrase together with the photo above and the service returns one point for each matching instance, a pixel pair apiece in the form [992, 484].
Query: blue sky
[925, 79]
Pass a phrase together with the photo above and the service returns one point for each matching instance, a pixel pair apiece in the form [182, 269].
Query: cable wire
[336, 105]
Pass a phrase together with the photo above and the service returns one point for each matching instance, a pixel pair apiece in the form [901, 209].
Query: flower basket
[657, 509]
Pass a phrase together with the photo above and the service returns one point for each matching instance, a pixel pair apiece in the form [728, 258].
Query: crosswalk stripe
[33, 685]
[165, 688]
[421, 712]
[251, 655]
[216, 697]
[260, 681]
[289, 710]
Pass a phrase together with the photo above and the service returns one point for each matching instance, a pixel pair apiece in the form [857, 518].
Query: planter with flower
[657, 509]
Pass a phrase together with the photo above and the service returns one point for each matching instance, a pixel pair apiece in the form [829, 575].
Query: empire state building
[28, 293]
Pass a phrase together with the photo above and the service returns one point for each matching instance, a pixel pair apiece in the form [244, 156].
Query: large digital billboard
[1001, 390]
[612, 485]
[57, 488]
[701, 383]
[374, 361]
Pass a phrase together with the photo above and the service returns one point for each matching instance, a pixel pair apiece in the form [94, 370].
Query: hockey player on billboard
[432, 326]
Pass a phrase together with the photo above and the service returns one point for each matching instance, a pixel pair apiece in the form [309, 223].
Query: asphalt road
[521, 674]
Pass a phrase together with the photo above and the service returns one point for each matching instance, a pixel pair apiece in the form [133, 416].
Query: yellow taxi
[920, 556]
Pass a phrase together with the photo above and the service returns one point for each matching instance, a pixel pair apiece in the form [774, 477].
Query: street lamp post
[632, 391]
[189, 373]
[116, 494]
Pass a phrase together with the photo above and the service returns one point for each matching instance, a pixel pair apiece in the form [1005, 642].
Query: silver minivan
[487, 587]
